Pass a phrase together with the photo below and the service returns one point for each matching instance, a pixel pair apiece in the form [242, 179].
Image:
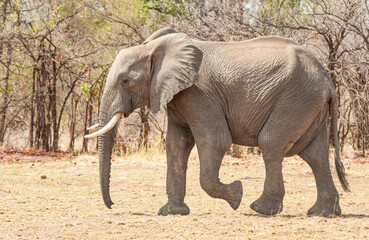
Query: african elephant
[268, 92]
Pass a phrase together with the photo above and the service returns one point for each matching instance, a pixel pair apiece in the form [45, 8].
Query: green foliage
[163, 8]
[86, 91]
[276, 9]
[89, 91]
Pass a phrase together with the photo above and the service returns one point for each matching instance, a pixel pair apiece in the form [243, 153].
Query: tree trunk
[53, 106]
[144, 128]
[5, 98]
[84, 144]
[32, 111]
[43, 111]
[38, 111]
[72, 123]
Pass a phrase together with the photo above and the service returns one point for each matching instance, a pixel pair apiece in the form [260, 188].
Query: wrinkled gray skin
[267, 92]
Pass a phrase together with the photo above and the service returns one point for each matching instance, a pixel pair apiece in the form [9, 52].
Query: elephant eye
[124, 81]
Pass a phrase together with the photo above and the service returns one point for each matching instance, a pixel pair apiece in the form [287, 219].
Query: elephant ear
[174, 64]
[159, 33]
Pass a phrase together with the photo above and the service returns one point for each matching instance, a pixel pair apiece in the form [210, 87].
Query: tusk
[93, 128]
[114, 120]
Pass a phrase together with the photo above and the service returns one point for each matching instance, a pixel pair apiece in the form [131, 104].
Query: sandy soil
[59, 198]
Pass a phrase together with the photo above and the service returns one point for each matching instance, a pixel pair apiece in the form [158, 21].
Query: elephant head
[148, 74]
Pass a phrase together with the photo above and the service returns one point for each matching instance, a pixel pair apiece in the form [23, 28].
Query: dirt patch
[14, 157]
[59, 198]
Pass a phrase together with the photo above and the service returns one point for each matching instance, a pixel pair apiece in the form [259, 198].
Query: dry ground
[67, 204]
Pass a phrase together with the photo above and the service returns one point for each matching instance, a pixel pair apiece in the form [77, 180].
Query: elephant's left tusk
[114, 120]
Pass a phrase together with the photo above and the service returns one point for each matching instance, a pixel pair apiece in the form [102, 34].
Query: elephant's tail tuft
[339, 166]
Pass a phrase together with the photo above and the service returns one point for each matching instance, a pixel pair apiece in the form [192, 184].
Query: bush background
[55, 56]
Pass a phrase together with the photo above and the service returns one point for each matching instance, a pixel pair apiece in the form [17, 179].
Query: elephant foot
[267, 205]
[325, 209]
[234, 195]
[171, 208]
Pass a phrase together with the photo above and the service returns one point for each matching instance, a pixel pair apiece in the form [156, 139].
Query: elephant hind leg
[272, 147]
[271, 200]
[285, 126]
[316, 154]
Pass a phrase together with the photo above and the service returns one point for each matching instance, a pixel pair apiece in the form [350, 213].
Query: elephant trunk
[105, 151]
[105, 146]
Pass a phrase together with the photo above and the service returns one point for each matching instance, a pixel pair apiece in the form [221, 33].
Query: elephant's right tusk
[114, 120]
[93, 128]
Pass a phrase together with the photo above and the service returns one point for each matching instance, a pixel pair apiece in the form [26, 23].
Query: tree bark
[144, 128]
[32, 111]
[53, 106]
[72, 120]
[5, 90]
[84, 144]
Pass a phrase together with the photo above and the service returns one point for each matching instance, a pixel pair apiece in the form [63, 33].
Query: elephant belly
[245, 125]
[250, 141]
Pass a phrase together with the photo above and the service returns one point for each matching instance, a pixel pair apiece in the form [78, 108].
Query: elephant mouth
[114, 120]
[126, 114]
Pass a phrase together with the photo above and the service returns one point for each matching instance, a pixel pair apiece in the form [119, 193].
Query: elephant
[267, 91]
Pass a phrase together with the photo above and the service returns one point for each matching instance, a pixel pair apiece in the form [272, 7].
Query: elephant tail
[339, 166]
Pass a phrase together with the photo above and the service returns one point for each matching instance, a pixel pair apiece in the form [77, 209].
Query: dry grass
[67, 204]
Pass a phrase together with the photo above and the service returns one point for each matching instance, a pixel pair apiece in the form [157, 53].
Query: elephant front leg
[212, 144]
[179, 143]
